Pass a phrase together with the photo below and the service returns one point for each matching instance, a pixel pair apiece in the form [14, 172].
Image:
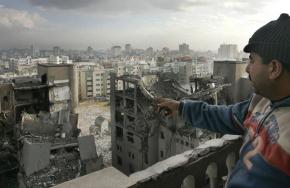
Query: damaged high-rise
[40, 146]
[141, 136]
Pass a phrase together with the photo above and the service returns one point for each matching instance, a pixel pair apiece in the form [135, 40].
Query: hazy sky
[76, 24]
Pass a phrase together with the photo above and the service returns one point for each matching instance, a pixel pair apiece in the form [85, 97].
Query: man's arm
[223, 119]
[218, 118]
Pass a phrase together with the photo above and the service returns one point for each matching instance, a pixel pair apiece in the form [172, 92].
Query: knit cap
[272, 40]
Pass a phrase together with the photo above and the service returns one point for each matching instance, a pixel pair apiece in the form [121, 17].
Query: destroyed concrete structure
[140, 136]
[39, 130]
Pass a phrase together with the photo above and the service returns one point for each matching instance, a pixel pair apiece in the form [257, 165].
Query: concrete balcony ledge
[195, 163]
[199, 167]
[107, 178]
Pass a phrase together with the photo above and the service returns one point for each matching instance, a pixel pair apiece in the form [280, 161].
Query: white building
[59, 59]
[228, 51]
[94, 82]
[202, 67]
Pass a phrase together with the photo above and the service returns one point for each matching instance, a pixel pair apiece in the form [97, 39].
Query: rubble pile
[89, 111]
[64, 166]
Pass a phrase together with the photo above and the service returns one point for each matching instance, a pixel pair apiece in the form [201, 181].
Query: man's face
[258, 74]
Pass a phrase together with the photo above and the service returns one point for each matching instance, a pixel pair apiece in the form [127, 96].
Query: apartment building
[94, 81]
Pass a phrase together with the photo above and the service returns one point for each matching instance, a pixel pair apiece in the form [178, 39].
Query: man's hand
[167, 107]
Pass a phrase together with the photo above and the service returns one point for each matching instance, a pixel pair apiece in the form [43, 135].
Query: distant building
[94, 82]
[34, 51]
[184, 49]
[185, 71]
[90, 51]
[134, 69]
[165, 51]
[128, 49]
[22, 67]
[116, 51]
[228, 51]
[149, 52]
[59, 60]
[56, 51]
[202, 67]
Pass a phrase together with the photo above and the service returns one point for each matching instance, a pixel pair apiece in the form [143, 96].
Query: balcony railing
[204, 166]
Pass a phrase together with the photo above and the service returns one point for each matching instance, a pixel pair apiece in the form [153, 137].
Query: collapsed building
[40, 143]
[140, 136]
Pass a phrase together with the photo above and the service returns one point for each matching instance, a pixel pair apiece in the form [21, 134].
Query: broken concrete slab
[35, 156]
[93, 165]
[87, 147]
[38, 124]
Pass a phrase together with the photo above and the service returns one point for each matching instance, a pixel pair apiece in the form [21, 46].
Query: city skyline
[72, 24]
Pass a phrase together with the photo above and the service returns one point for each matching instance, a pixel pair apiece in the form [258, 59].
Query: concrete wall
[55, 72]
[74, 84]
[6, 97]
[82, 85]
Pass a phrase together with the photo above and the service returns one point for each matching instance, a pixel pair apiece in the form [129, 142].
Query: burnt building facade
[140, 136]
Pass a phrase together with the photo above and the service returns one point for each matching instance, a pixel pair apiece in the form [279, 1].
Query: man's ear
[275, 69]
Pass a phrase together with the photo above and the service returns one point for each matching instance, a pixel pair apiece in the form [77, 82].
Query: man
[264, 119]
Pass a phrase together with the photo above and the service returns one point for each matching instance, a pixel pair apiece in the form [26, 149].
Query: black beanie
[272, 40]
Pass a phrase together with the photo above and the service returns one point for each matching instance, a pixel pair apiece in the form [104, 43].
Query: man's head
[269, 65]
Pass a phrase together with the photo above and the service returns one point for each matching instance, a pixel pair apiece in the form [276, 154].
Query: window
[162, 135]
[161, 154]
[130, 137]
[119, 148]
[131, 119]
[119, 116]
[131, 168]
[176, 140]
[119, 132]
[119, 161]
[146, 158]
[131, 155]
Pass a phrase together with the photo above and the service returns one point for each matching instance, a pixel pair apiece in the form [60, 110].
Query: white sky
[76, 24]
